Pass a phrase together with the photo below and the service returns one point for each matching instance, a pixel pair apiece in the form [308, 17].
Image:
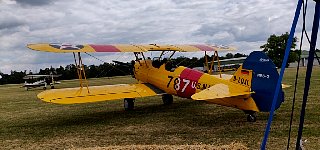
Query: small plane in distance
[250, 89]
[37, 80]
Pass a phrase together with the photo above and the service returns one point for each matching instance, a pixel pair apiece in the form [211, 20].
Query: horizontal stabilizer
[220, 91]
[98, 93]
[285, 85]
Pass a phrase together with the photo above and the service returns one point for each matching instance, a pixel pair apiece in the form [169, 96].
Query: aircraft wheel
[44, 88]
[128, 103]
[251, 118]
[167, 99]
[52, 87]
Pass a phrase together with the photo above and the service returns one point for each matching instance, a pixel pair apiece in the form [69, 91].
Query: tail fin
[264, 80]
[242, 77]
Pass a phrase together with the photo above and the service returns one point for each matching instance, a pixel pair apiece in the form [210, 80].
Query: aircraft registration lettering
[241, 80]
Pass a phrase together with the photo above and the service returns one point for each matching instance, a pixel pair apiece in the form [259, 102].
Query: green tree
[229, 55]
[237, 55]
[275, 49]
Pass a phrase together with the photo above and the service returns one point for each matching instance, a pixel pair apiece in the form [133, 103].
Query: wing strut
[214, 56]
[81, 72]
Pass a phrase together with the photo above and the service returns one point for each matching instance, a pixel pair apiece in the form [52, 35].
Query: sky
[244, 24]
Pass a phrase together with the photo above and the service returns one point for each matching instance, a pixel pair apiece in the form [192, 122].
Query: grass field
[28, 123]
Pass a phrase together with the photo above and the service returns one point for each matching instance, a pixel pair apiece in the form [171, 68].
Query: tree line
[103, 70]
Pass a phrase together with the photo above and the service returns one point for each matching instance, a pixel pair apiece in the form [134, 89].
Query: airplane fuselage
[184, 82]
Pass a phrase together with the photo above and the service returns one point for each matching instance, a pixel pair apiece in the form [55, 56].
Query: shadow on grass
[183, 112]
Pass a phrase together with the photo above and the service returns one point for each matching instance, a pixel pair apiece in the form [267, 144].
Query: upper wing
[65, 48]
[98, 93]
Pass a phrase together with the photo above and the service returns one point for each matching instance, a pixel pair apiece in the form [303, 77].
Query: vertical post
[78, 69]
[144, 58]
[314, 34]
[83, 71]
[284, 62]
[219, 66]
[212, 63]
[206, 59]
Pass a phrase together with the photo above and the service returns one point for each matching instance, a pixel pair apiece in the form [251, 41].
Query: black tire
[52, 87]
[128, 104]
[167, 99]
[251, 118]
[44, 88]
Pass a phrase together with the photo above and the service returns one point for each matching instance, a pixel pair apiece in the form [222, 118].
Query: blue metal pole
[284, 62]
[313, 43]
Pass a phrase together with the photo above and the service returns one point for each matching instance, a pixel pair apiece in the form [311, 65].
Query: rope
[317, 57]
[284, 62]
[304, 8]
[314, 33]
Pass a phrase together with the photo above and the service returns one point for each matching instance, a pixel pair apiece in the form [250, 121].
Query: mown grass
[28, 123]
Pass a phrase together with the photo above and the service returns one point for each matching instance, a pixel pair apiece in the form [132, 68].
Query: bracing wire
[185, 58]
[106, 63]
[99, 60]
[95, 57]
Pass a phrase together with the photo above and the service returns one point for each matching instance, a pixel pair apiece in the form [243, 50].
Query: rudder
[264, 80]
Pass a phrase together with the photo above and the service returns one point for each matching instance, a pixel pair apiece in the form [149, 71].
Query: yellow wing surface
[98, 93]
[67, 48]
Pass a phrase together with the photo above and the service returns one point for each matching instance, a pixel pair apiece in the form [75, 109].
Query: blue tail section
[264, 80]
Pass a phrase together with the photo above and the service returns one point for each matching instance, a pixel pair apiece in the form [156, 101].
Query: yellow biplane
[250, 89]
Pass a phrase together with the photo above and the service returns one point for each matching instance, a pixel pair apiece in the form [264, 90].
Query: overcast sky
[245, 24]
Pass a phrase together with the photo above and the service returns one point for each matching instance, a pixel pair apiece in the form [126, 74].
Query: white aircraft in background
[33, 81]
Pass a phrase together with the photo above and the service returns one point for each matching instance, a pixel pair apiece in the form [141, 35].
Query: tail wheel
[251, 118]
[128, 103]
[44, 88]
[167, 99]
[251, 115]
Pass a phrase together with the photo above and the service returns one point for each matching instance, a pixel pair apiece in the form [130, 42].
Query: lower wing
[98, 93]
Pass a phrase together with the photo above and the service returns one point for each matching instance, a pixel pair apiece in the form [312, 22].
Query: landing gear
[44, 88]
[128, 103]
[52, 87]
[167, 99]
[251, 116]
